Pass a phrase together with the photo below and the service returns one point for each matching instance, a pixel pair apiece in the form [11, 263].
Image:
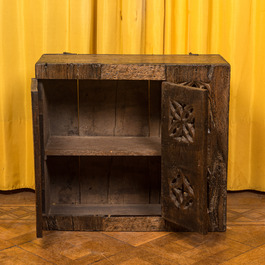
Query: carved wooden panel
[181, 122]
[181, 191]
[216, 79]
[184, 149]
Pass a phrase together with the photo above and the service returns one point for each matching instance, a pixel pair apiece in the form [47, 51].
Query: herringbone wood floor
[242, 243]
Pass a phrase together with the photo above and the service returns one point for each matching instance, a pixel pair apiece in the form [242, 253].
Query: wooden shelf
[103, 146]
[106, 209]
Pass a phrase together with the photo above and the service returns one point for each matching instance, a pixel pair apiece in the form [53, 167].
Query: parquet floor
[242, 243]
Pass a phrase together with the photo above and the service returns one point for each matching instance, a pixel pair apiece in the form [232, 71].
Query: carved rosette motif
[181, 122]
[181, 116]
[181, 192]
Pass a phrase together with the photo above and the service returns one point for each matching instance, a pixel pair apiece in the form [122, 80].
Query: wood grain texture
[154, 96]
[63, 175]
[217, 81]
[96, 133]
[97, 107]
[115, 108]
[130, 59]
[129, 180]
[100, 223]
[184, 149]
[37, 155]
[218, 147]
[133, 72]
[133, 223]
[98, 209]
[103, 146]
[132, 109]
[68, 71]
[149, 67]
[62, 108]
[120, 180]
[94, 179]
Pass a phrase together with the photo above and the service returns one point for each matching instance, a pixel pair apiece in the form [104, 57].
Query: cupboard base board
[104, 223]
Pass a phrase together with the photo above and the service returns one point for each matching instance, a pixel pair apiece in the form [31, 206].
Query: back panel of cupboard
[102, 108]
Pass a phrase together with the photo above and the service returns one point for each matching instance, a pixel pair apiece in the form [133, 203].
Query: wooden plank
[129, 180]
[99, 146]
[134, 223]
[130, 59]
[94, 179]
[132, 109]
[62, 109]
[105, 209]
[154, 165]
[218, 147]
[62, 223]
[63, 175]
[97, 108]
[44, 112]
[155, 108]
[184, 155]
[127, 67]
[44, 136]
[119, 108]
[132, 72]
[108, 224]
[37, 156]
[46, 200]
[120, 180]
[68, 71]
[189, 73]
[85, 223]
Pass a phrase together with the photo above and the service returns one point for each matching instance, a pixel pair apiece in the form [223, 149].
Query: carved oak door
[184, 152]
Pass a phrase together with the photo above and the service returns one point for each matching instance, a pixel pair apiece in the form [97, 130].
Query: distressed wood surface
[217, 82]
[122, 67]
[154, 108]
[61, 105]
[37, 155]
[119, 180]
[107, 224]
[103, 146]
[122, 98]
[106, 209]
[63, 175]
[111, 108]
[218, 147]
[130, 59]
[184, 152]
[97, 107]
[129, 180]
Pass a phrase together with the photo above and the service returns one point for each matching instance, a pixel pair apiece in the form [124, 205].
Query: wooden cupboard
[131, 142]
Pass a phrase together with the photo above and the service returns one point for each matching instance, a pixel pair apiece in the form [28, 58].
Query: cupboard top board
[118, 67]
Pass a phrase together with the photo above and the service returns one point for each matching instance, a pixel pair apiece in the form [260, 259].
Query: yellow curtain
[232, 28]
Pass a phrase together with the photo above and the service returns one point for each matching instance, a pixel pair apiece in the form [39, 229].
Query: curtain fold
[234, 29]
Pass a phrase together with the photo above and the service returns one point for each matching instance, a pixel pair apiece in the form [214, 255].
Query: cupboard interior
[102, 147]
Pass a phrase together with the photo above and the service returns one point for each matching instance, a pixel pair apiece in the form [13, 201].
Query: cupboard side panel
[37, 156]
[218, 147]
